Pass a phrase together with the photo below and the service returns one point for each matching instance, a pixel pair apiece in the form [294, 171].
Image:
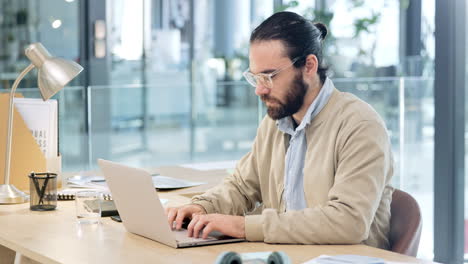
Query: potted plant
[365, 24]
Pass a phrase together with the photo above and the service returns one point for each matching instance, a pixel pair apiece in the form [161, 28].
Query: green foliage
[10, 37]
[358, 3]
[364, 24]
[285, 7]
[404, 4]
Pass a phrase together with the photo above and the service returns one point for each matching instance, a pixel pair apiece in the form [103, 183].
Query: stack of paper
[345, 259]
[165, 182]
[79, 181]
[349, 259]
[159, 182]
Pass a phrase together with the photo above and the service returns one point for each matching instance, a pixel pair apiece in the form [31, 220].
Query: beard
[293, 101]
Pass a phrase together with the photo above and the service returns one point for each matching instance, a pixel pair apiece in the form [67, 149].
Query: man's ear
[311, 65]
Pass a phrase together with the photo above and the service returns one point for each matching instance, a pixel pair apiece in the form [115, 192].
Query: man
[321, 163]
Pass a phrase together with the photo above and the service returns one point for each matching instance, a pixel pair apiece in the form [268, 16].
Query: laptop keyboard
[181, 236]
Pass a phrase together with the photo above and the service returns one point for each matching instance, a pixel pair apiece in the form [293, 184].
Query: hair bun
[323, 29]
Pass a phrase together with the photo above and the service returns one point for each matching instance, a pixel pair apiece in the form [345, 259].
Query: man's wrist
[203, 210]
[207, 206]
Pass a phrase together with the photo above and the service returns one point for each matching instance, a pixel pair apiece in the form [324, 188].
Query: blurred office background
[163, 78]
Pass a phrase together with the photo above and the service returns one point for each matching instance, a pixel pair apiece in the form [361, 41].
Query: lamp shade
[53, 73]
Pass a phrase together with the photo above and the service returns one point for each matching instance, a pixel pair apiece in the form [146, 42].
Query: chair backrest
[405, 224]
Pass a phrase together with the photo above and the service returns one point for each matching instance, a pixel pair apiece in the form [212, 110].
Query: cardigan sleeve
[239, 193]
[363, 165]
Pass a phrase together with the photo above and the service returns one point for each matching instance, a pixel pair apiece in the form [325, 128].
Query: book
[107, 207]
[41, 117]
[69, 194]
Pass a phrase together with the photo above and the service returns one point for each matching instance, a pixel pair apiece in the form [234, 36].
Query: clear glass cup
[88, 207]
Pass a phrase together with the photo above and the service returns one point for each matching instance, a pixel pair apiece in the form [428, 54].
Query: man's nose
[261, 90]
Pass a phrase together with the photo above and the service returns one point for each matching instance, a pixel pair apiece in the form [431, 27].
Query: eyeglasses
[265, 79]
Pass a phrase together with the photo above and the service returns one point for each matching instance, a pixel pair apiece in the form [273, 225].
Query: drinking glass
[88, 207]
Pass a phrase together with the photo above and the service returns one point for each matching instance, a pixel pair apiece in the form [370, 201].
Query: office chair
[405, 224]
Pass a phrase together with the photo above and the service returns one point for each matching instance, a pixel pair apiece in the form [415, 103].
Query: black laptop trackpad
[219, 235]
[185, 223]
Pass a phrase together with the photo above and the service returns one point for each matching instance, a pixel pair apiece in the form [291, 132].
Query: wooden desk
[55, 237]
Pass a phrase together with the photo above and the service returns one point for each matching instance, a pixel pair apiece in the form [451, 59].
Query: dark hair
[300, 36]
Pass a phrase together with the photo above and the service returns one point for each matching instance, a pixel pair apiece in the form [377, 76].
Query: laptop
[141, 211]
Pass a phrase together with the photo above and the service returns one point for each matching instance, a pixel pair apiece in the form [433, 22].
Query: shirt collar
[286, 125]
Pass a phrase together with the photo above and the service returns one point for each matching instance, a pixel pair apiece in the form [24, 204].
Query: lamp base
[9, 194]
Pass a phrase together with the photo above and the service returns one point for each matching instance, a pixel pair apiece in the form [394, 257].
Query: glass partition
[159, 124]
[225, 121]
[164, 124]
[139, 125]
[73, 125]
[407, 106]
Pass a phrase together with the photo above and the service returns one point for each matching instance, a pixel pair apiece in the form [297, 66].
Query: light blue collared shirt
[295, 154]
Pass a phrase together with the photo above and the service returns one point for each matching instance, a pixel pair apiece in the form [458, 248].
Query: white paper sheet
[345, 259]
[159, 181]
[217, 165]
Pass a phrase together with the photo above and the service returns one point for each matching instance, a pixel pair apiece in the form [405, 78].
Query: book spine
[67, 197]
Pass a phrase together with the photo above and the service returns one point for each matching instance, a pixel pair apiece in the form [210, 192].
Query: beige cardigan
[347, 172]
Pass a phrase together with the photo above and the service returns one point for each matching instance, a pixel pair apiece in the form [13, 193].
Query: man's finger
[171, 216]
[202, 221]
[207, 230]
[191, 225]
[181, 213]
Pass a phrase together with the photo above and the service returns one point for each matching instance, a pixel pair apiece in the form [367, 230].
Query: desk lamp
[53, 74]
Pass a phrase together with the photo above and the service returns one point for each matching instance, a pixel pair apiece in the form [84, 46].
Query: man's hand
[230, 225]
[178, 214]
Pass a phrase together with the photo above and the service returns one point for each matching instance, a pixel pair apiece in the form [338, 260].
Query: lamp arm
[10, 123]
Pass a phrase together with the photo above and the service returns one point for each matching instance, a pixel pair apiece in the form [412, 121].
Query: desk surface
[55, 237]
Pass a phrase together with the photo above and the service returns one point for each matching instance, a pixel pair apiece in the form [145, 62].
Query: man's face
[287, 93]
